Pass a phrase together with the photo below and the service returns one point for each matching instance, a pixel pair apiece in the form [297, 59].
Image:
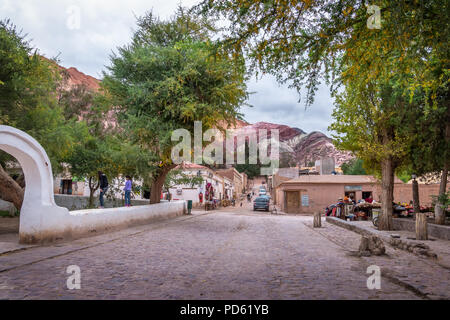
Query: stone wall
[82, 223]
[414, 246]
[7, 207]
[434, 230]
[81, 202]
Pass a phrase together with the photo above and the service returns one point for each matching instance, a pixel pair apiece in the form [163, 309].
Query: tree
[86, 160]
[76, 101]
[368, 122]
[177, 177]
[100, 146]
[28, 102]
[303, 42]
[354, 167]
[429, 151]
[167, 78]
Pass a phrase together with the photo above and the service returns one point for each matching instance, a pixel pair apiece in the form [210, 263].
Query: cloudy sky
[83, 33]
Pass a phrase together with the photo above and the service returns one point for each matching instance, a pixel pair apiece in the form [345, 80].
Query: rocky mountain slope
[315, 145]
[296, 146]
[74, 77]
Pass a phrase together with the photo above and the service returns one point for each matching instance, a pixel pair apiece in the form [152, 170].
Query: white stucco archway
[40, 217]
[41, 220]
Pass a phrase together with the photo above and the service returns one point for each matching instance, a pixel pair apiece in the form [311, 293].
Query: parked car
[261, 202]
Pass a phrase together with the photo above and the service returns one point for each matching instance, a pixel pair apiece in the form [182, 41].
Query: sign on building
[353, 188]
[305, 200]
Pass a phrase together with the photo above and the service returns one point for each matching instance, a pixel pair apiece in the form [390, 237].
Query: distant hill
[297, 147]
[300, 148]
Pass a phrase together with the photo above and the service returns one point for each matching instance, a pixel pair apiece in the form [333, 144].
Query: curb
[412, 246]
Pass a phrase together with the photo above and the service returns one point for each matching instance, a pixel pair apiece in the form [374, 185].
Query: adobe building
[223, 187]
[233, 175]
[311, 193]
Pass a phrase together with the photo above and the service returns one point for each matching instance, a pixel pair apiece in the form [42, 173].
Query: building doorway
[293, 202]
[66, 186]
[367, 195]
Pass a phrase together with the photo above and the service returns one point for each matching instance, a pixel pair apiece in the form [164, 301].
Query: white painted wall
[187, 194]
[39, 211]
[42, 220]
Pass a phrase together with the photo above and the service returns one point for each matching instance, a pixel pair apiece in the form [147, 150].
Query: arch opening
[39, 214]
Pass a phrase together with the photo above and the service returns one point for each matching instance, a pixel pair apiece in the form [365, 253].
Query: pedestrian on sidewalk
[127, 190]
[103, 182]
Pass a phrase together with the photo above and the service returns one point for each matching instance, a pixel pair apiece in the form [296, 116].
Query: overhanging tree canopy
[166, 79]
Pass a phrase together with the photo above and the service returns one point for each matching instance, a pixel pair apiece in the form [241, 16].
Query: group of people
[104, 185]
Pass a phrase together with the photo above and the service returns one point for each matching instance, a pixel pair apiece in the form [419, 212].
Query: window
[305, 200]
[367, 194]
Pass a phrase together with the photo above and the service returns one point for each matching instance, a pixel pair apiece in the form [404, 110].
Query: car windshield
[261, 199]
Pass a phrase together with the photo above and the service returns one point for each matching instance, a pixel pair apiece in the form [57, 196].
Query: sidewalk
[437, 250]
[9, 236]
[427, 277]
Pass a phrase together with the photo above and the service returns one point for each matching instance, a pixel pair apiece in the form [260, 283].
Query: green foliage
[369, 122]
[443, 200]
[87, 158]
[76, 101]
[354, 167]
[252, 170]
[28, 83]
[429, 150]
[169, 77]
[304, 42]
[178, 177]
[404, 175]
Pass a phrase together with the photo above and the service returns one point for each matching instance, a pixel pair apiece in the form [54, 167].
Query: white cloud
[279, 104]
[106, 25]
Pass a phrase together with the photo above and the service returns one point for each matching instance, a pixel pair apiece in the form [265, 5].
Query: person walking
[127, 190]
[103, 182]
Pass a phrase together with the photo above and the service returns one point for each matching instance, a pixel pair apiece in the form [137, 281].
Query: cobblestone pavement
[226, 254]
[9, 224]
[427, 277]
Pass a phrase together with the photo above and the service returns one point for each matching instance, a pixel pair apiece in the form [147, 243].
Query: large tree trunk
[387, 194]
[158, 183]
[10, 190]
[439, 211]
[21, 180]
[416, 203]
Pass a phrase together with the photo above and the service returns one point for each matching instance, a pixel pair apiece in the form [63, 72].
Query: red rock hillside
[302, 148]
[295, 143]
[76, 77]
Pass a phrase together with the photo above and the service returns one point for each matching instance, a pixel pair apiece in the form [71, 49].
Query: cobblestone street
[225, 254]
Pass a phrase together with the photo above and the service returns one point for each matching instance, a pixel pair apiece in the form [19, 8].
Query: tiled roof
[188, 165]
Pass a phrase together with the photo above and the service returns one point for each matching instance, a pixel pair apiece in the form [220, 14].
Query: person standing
[103, 182]
[127, 190]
